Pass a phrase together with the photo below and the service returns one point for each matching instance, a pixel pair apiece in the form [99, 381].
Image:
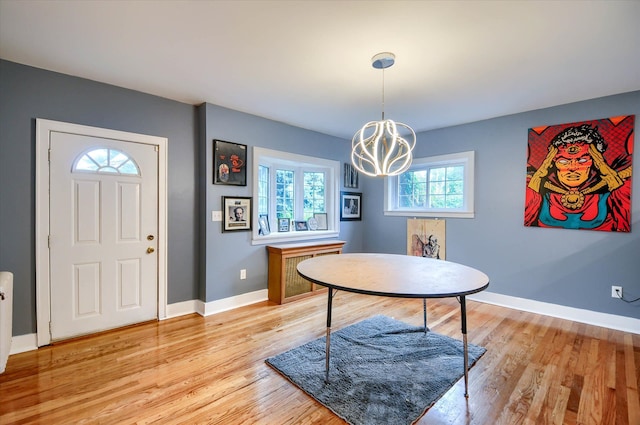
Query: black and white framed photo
[321, 219]
[283, 224]
[263, 222]
[350, 206]
[236, 213]
[229, 163]
[350, 176]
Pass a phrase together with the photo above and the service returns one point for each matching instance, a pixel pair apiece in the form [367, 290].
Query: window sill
[437, 214]
[276, 237]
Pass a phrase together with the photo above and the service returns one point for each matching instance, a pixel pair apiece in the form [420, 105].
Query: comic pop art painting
[579, 175]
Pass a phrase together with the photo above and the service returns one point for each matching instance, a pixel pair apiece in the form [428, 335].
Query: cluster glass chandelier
[378, 149]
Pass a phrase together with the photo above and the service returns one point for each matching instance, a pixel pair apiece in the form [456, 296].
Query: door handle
[150, 250]
[150, 237]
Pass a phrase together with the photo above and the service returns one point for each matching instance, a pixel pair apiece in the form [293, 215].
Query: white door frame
[43, 284]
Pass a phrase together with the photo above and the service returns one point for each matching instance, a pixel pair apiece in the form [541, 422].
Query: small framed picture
[321, 219]
[301, 226]
[229, 163]
[283, 225]
[350, 206]
[350, 176]
[236, 213]
[312, 223]
[263, 222]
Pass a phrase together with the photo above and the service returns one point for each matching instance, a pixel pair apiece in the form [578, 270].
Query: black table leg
[328, 346]
[424, 312]
[463, 311]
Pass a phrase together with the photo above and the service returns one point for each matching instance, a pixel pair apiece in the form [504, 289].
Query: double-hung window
[293, 188]
[438, 186]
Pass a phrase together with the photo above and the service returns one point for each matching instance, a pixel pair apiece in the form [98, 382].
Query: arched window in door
[106, 161]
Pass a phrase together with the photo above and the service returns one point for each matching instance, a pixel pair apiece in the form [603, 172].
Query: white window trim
[466, 158]
[262, 155]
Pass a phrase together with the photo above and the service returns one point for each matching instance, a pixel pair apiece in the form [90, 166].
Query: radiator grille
[295, 284]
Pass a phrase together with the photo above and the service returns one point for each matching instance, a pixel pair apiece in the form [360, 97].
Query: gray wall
[203, 263]
[574, 268]
[28, 93]
[567, 267]
[227, 253]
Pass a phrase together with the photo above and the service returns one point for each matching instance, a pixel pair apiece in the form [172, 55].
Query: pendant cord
[382, 94]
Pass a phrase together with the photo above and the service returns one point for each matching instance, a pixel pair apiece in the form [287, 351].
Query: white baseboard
[218, 306]
[612, 321]
[183, 308]
[22, 343]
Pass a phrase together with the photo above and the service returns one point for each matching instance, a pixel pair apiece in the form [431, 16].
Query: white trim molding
[183, 308]
[22, 343]
[225, 304]
[216, 306]
[611, 321]
[464, 159]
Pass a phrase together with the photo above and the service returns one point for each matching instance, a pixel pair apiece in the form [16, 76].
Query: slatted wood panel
[296, 284]
[195, 370]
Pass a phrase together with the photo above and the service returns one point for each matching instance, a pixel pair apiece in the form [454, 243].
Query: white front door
[103, 235]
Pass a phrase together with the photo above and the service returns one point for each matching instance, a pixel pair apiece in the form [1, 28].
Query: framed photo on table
[263, 221]
[350, 206]
[229, 163]
[283, 224]
[236, 213]
[321, 219]
[301, 226]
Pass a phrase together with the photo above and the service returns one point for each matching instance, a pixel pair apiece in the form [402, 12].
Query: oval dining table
[394, 275]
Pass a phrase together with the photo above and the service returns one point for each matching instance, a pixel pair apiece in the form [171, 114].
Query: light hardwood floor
[195, 370]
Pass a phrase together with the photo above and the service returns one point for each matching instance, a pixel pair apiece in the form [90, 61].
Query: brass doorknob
[150, 250]
[150, 237]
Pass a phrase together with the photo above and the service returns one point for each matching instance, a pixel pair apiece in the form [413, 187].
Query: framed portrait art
[350, 206]
[229, 163]
[236, 213]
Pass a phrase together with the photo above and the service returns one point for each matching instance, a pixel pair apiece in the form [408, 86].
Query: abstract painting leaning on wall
[426, 238]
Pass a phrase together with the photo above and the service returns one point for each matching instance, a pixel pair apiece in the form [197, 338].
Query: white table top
[393, 275]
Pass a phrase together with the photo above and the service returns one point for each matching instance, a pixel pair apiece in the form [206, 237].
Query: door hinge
[49, 155]
[50, 327]
[157, 148]
[48, 241]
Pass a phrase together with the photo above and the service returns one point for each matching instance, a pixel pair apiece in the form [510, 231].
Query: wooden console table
[285, 284]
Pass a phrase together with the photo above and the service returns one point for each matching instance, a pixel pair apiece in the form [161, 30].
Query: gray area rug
[383, 371]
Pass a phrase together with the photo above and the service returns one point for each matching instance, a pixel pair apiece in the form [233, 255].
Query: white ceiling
[308, 63]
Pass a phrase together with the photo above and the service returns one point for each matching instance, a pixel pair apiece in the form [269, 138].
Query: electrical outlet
[243, 274]
[216, 215]
[616, 292]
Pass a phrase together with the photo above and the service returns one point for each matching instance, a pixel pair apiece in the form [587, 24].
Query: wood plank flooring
[211, 370]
